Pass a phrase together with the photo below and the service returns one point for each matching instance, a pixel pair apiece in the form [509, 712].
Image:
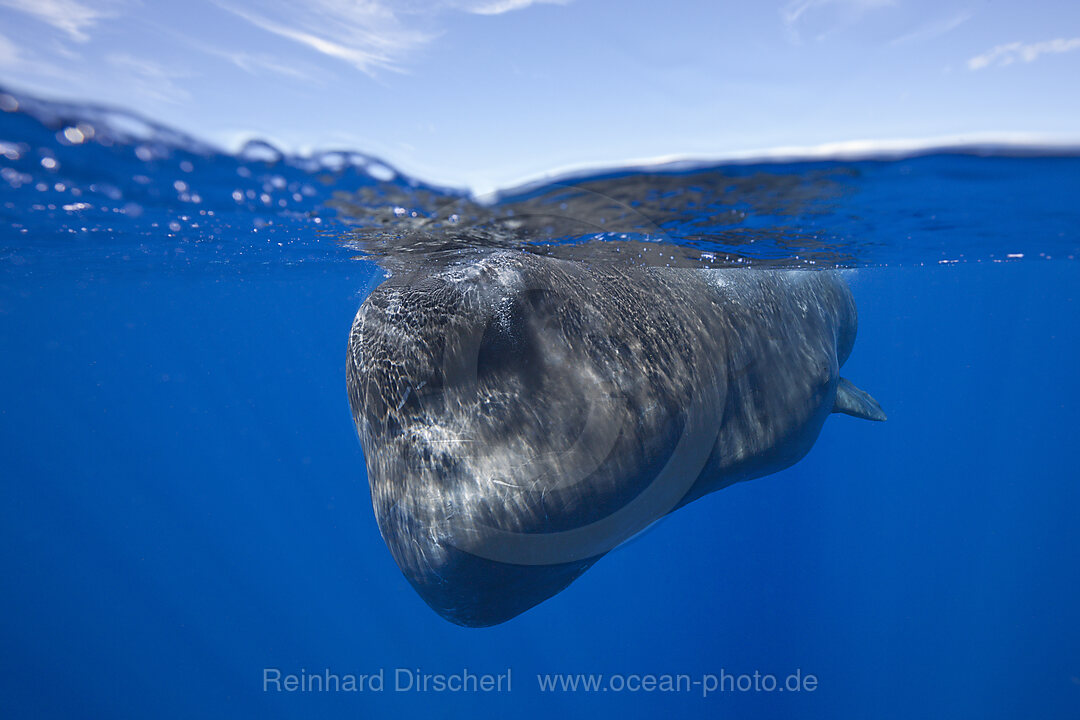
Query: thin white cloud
[797, 13]
[368, 34]
[71, 16]
[364, 34]
[255, 64]
[1010, 53]
[498, 7]
[10, 55]
[933, 29]
[149, 79]
[17, 61]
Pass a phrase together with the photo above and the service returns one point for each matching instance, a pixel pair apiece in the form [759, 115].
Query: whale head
[507, 425]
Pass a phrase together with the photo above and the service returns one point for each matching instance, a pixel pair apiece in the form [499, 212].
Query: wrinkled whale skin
[513, 397]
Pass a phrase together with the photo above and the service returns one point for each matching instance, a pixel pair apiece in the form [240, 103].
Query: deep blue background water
[183, 500]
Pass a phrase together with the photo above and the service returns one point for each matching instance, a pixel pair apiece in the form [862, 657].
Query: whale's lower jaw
[463, 587]
[485, 592]
[474, 591]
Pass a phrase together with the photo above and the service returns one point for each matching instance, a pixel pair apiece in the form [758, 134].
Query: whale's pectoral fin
[851, 400]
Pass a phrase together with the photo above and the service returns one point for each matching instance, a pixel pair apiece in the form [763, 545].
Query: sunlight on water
[89, 186]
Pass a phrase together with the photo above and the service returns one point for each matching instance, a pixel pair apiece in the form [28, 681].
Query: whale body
[521, 416]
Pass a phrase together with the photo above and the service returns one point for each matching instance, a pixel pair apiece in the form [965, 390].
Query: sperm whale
[521, 415]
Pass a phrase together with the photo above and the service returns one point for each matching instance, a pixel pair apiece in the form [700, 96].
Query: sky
[488, 93]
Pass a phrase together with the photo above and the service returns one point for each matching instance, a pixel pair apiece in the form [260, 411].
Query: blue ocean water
[184, 504]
